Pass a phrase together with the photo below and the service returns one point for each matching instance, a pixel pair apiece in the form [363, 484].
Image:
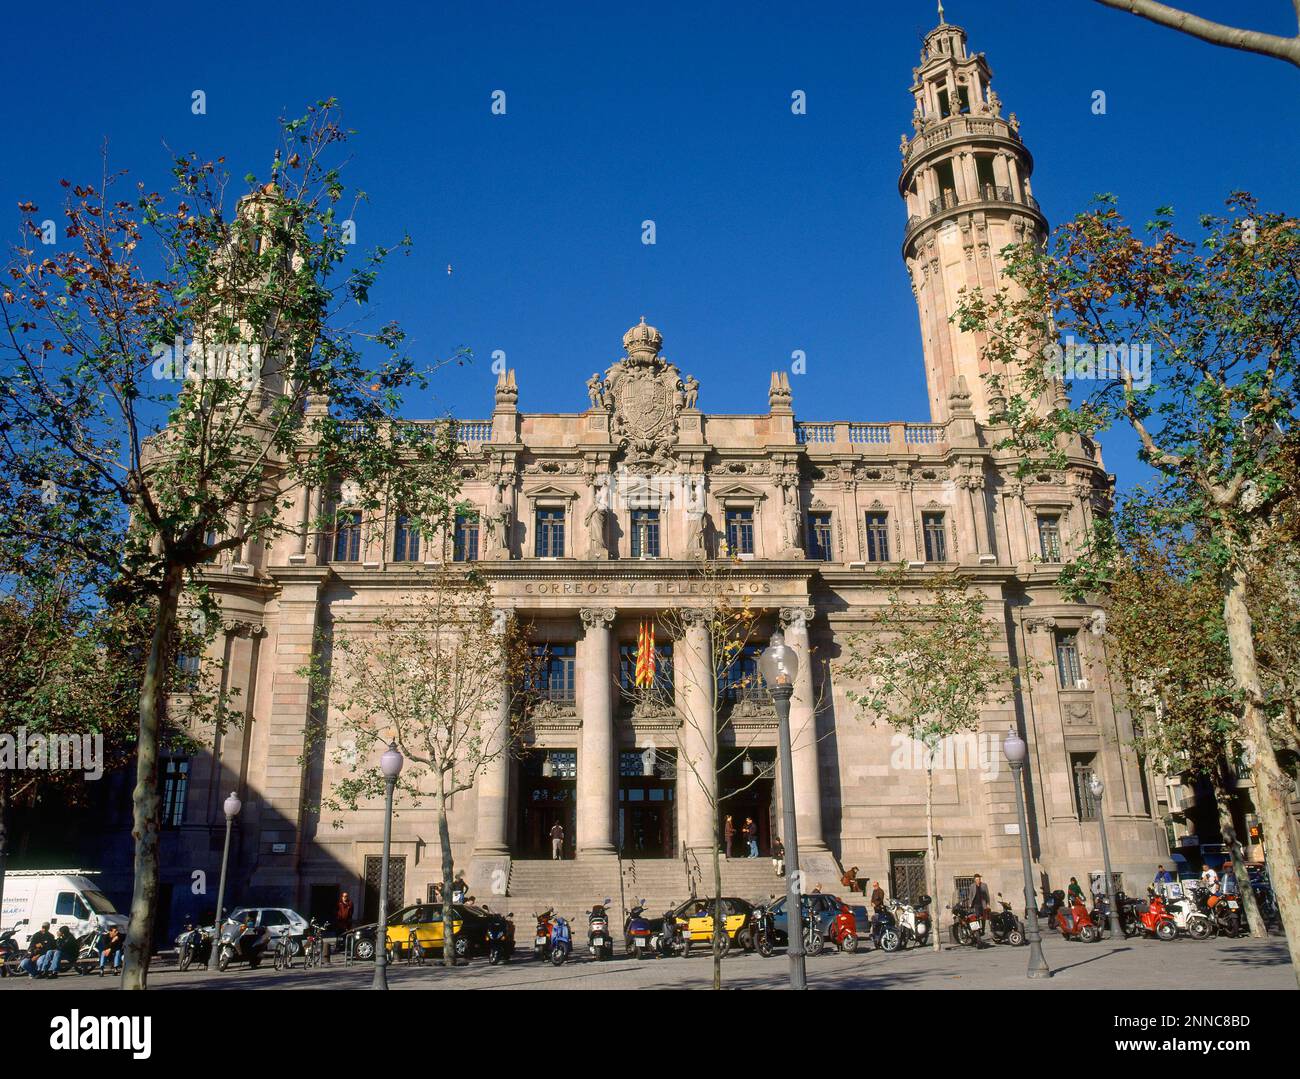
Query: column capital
[693, 617]
[797, 618]
[597, 617]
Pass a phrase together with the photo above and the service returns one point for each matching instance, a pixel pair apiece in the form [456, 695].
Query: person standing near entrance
[557, 841]
[343, 913]
[750, 834]
[778, 856]
[729, 833]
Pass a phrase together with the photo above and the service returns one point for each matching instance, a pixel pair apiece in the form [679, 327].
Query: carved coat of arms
[644, 394]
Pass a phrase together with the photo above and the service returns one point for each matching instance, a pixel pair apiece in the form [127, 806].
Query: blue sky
[775, 232]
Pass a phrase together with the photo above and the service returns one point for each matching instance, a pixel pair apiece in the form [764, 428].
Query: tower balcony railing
[987, 193]
[960, 126]
[896, 436]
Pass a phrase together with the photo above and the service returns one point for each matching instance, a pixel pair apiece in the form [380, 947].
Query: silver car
[278, 921]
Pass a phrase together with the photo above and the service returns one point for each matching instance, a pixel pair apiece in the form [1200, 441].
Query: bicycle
[283, 956]
[313, 945]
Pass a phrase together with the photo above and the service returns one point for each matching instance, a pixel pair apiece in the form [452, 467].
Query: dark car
[825, 908]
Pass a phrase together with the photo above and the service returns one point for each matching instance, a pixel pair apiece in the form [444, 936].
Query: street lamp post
[232, 806]
[391, 765]
[1098, 788]
[779, 663]
[1015, 750]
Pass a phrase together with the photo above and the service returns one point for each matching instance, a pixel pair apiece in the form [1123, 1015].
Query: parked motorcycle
[500, 936]
[242, 943]
[966, 926]
[912, 923]
[542, 937]
[885, 934]
[194, 945]
[1223, 911]
[1004, 926]
[1188, 918]
[1074, 921]
[561, 941]
[1149, 919]
[844, 930]
[636, 932]
[599, 941]
[764, 934]
[10, 953]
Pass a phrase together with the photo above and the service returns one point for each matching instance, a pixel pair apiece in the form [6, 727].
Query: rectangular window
[740, 531]
[554, 678]
[741, 680]
[187, 673]
[406, 540]
[464, 544]
[936, 538]
[877, 537]
[346, 545]
[1085, 803]
[1049, 537]
[550, 533]
[1067, 660]
[645, 533]
[663, 670]
[819, 537]
[176, 785]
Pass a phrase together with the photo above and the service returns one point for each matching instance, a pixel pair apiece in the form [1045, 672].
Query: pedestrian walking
[729, 833]
[979, 899]
[557, 841]
[750, 834]
[459, 889]
[778, 856]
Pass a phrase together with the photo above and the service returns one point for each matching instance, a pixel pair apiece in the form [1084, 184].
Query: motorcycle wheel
[1166, 930]
[494, 955]
[186, 957]
[961, 934]
[223, 959]
[1088, 934]
[461, 947]
[764, 946]
[814, 942]
[889, 940]
[1199, 928]
[724, 945]
[849, 944]
[1232, 924]
[558, 956]
[1015, 938]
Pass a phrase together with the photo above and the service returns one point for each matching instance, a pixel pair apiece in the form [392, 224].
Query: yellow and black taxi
[694, 921]
[424, 922]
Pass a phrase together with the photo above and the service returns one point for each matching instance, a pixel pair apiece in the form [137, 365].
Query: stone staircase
[571, 887]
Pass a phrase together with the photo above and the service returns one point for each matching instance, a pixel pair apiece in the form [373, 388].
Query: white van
[58, 896]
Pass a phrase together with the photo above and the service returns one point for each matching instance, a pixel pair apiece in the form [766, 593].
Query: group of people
[748, 834]
[853, 883]
[47, 952]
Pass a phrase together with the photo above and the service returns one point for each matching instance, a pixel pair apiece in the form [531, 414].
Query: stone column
[803, 734]
[697, 776]
[494, 783]
[596, 755]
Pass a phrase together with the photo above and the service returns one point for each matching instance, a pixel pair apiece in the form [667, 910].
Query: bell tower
[965, 180]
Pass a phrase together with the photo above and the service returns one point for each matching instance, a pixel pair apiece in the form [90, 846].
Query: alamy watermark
[24, 752]
[974, 751]
[1107, 361]
[201, 361]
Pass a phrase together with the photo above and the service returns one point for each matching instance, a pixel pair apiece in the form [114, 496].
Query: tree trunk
[932, 848]
[144, 800]
[1254, 919]
[1272, 790]
[448, 872]
[4, 830]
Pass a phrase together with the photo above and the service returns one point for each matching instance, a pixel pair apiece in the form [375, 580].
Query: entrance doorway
[907, 875]
[548, 794]
[396, 884]
[744, 795]
[647, 804]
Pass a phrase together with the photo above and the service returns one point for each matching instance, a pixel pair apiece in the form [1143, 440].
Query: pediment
[550, 490]
[738, 491]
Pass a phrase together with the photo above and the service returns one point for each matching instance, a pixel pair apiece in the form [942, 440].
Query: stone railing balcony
[893, 437]
[962, 126]
[474, 431]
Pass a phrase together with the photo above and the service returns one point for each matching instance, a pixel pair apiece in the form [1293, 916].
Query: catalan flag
[645, 655]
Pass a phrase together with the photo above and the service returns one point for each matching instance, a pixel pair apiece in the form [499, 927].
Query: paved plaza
[1134, 964]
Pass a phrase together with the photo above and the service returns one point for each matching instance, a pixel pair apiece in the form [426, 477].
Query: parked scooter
[1148, 919]
[1188, 917]
[636, 932]
[500, 935]
[912, 923]
[542, 937]
[1074, 921]
[9, 951]
[561, 941]
[844, 930]
[885, 934]
[1004, 926]
[194, 945]
[242, 943]
[599, 941]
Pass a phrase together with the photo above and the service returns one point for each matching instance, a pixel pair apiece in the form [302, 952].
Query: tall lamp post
[232, 806]
[391, 765]
[779, 663]
[1098, 788]
[1015, 750]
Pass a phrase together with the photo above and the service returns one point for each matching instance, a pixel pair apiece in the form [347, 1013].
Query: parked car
[360, 941]
[694, 919]
[469, 928]
[825, 908]
[277, 921]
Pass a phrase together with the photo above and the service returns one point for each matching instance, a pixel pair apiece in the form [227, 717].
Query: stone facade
[591, 521]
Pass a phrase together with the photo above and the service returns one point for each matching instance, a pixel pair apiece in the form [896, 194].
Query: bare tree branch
[1216, 33]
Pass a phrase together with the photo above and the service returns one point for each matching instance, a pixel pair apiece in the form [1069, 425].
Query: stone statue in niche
[598, 523]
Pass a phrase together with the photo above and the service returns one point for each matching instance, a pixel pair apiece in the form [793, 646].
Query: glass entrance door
[548, 795]
[647, 805]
